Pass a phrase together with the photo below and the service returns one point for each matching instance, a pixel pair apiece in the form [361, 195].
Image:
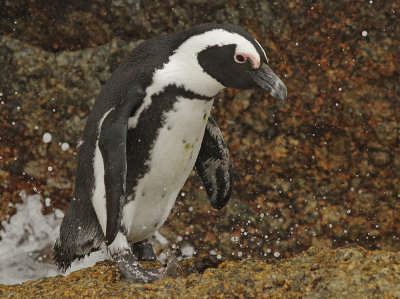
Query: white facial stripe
[265, 55]
[184, 62]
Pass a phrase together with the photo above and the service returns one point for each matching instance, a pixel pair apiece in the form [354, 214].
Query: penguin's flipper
[214, 166]
[112, 144]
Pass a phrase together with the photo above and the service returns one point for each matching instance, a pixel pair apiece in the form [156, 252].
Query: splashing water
[27, 243]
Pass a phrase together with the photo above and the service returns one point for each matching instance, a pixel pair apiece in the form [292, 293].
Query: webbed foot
[132, 270]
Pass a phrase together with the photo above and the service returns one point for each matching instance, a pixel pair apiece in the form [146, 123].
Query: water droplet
[47, 137]
[65, 146]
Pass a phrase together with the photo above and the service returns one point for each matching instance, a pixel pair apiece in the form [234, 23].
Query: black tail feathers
[65, 255]
[80, 234]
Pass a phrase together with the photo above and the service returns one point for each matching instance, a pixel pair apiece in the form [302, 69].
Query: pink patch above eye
[242, 58]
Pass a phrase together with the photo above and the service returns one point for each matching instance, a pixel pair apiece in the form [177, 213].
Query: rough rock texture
[316, 273]
[322, 168]
[51, 93]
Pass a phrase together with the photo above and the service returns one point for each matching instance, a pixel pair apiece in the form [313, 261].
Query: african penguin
[148, 128]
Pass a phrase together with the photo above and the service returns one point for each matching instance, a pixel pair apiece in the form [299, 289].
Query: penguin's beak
[268, 80]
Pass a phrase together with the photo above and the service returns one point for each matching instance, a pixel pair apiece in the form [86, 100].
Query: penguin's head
[228, 56]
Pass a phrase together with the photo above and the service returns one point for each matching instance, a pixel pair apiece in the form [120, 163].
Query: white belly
[171, 160]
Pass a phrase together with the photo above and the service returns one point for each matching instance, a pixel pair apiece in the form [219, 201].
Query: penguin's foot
[132, 270]
[143, 250]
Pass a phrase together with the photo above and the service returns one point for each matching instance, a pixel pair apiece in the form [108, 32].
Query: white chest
[171, 159]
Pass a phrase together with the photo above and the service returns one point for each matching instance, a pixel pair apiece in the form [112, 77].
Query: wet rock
[47, 94]
[380, 158]
[320, 168]
[316, 273]
[36, 169]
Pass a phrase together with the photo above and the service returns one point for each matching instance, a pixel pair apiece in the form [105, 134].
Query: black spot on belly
[155, 224]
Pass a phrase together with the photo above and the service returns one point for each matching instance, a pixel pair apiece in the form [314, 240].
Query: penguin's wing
[214, 166]
[112, 144]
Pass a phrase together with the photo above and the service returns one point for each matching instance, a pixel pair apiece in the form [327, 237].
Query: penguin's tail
[80, 234]
[65, 255]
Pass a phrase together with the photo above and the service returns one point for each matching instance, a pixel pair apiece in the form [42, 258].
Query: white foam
[27, 242]
[28, 239]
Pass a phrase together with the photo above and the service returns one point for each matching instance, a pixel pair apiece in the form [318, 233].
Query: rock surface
[316, 273]
[321, 169]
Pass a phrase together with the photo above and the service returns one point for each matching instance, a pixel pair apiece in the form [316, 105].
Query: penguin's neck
[184, 71]
[172, 89]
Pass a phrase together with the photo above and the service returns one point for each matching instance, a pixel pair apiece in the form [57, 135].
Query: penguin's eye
[239, 58]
